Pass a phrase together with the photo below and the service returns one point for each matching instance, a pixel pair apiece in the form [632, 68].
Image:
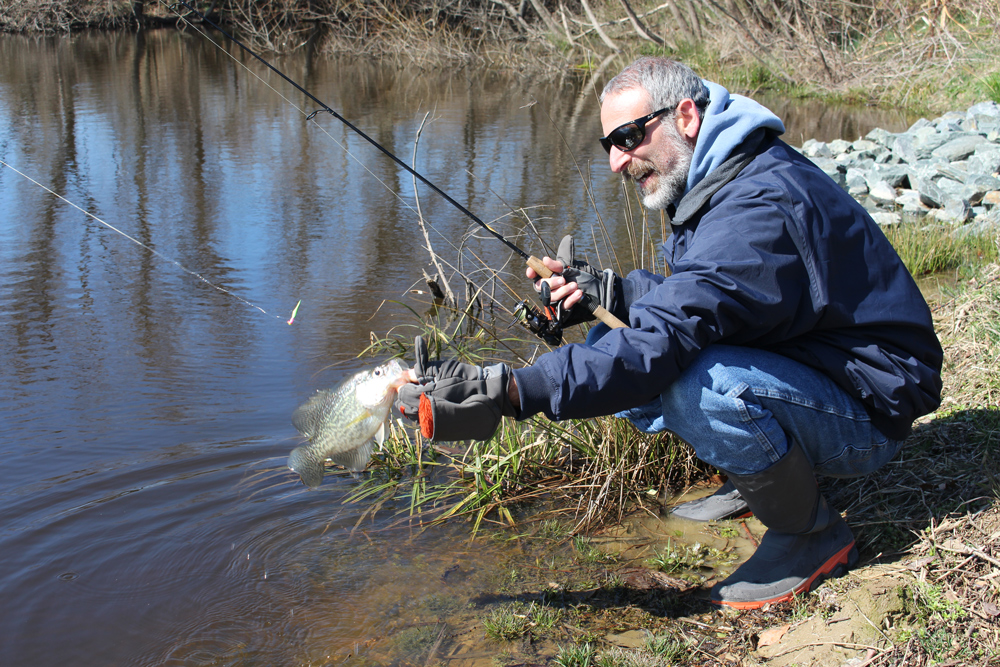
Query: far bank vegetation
[922, 53]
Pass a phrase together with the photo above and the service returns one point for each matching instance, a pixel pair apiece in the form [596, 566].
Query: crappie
[341, 424]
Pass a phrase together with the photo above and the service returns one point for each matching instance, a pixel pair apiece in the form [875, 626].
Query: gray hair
[665, 81]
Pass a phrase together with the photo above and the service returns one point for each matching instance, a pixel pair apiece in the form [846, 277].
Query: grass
[990, 86]
[590, 554]
[923, 56]
[933, 249]
[575, 655]
[932, 504]
[678, 558]
[511, 621]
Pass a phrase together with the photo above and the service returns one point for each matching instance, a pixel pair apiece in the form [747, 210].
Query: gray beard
[671, 175]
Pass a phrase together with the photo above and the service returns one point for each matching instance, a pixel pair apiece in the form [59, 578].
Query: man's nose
[618, 159]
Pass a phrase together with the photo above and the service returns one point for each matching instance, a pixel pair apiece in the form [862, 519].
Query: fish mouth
[399, 373]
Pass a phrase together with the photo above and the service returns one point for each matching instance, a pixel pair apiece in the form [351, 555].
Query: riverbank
[634, 593]
[930, 57]
[618, 583]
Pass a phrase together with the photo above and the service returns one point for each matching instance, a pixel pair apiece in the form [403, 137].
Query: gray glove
[455, 400]
[600, 286]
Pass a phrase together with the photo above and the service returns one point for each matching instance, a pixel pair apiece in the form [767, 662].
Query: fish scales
[342, 424]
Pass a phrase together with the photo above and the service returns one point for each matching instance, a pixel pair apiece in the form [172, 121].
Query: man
[788, 341]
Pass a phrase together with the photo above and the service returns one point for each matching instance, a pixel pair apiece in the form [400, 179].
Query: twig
[597, 26]
[844, 644]
[449, 295]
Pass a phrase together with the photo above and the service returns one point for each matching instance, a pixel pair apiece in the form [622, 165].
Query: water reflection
[139, 403]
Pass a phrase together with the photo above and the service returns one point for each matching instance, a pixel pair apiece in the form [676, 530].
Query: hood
[728, 120]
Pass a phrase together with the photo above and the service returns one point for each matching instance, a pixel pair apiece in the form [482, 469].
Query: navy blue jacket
[779, 258]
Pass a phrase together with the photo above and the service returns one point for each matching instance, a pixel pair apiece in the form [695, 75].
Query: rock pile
[942, 171]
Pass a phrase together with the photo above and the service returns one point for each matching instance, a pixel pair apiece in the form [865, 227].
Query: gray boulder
[959, 148]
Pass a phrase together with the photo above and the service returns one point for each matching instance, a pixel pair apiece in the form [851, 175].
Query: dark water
[146, 517]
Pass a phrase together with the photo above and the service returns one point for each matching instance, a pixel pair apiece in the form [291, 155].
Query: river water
[147, 372]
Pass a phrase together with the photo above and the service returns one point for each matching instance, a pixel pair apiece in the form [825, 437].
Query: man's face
[659, 165]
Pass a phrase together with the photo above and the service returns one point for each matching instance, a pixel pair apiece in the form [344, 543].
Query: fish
[342, 424]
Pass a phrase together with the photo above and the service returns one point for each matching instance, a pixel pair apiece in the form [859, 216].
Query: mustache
[638, 168]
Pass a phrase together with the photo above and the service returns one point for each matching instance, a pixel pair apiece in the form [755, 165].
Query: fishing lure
[294, 310]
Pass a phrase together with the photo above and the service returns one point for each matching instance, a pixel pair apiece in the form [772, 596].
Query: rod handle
[600, 312]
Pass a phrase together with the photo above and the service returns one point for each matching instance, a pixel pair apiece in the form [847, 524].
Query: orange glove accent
[426, 416]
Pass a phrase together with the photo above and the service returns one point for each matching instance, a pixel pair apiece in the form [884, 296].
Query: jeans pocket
[857, 461]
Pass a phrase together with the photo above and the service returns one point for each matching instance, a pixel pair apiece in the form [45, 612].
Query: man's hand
[454, 400]
[573, 279]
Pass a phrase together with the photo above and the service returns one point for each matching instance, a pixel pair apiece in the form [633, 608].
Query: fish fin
[365, 414]
[355, 460]
[310, 470]
[380, 435]
[307, 416]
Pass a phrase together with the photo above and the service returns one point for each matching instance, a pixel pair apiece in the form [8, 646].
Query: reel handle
[599, 311]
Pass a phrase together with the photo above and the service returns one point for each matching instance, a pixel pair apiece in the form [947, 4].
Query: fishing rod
[536, 264]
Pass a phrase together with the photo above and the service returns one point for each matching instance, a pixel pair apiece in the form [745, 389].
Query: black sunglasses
[628, 136]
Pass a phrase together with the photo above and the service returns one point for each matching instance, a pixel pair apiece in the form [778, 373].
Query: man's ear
[688, 121]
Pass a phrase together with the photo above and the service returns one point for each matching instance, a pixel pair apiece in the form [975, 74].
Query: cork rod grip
[600, 312]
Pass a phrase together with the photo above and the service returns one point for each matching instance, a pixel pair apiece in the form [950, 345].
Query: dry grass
[935, 508]
[933, 53]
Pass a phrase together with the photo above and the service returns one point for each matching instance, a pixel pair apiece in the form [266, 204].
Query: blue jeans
[740, 408]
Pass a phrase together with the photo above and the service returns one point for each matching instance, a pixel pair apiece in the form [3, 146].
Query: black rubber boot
[806, 540]
[726, 503]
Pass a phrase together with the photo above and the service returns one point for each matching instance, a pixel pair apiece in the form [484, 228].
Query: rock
[839, 146]
[926, 140]
[959, 148]
[955, 212]
[856, 182]
[989, 109]
[882, 193]
[950, 186]
[977, 187]
[881, 137]
[986, 225]
[813, 148]
[886, 218]
[952, 171]
[930, 194]
[832, 169]
[905, 150]
[896, 175]
[863, 148]
[948, 168]
[986, 160]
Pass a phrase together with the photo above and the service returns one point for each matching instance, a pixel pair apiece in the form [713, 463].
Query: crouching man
[789, 340]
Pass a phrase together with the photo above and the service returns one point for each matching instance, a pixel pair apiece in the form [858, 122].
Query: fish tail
[309, 468]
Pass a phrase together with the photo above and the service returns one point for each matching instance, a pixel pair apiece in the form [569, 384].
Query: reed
[897, 51]
[933, 249]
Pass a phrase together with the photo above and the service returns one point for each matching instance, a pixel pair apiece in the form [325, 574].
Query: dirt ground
[610, 593]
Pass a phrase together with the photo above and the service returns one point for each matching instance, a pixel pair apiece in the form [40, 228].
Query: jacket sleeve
[742, 279]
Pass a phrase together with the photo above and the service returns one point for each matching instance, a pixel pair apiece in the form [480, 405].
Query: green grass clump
[575, 655]
[511, 621]
[930, 249]
[678, 558]
[990, 86]
[590, 554]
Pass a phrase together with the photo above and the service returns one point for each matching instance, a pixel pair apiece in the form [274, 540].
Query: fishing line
[311, 117]
[327, 109]
[536, 264]
[143, 245]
